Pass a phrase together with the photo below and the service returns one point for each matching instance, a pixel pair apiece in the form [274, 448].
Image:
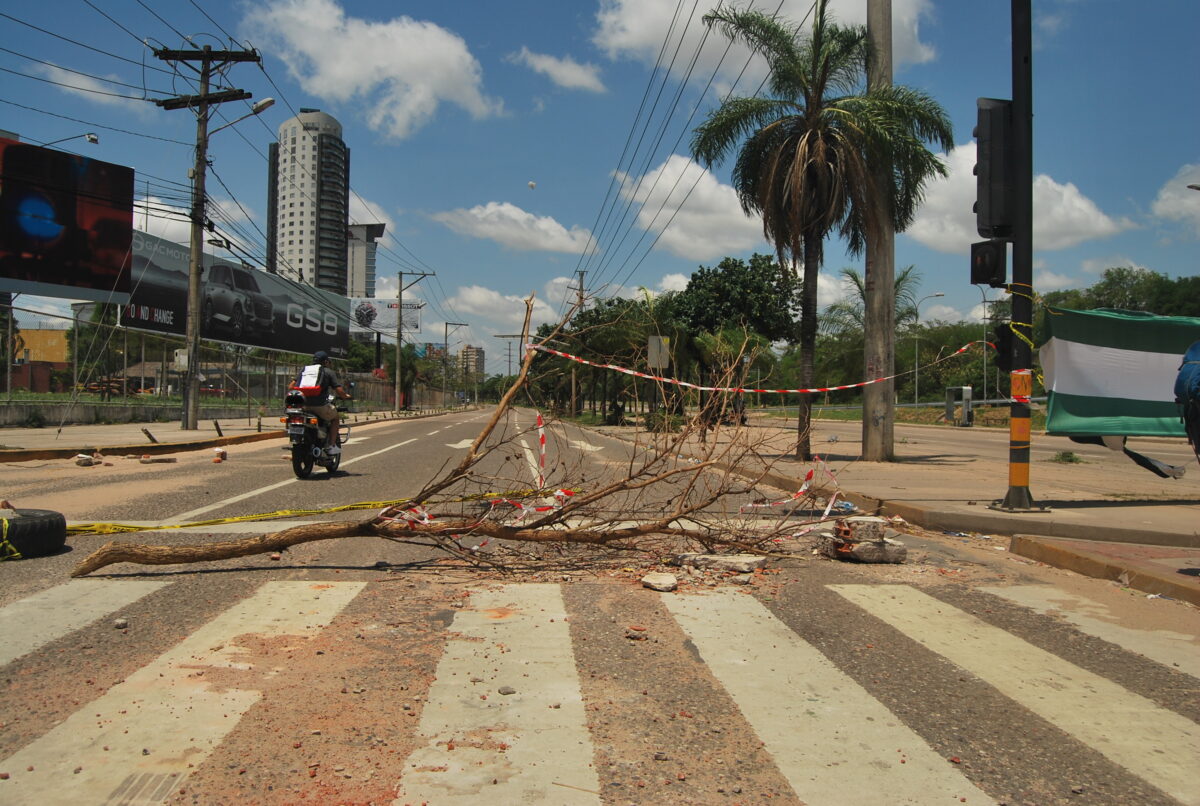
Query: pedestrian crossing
[504, 718]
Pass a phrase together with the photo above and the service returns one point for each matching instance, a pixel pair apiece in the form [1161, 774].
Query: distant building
[361, 259]
[470, 360]
[308, 202]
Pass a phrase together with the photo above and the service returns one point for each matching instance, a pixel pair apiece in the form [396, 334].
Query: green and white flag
[1111, 372]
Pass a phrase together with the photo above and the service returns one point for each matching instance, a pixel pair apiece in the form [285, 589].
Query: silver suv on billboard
[233, 302]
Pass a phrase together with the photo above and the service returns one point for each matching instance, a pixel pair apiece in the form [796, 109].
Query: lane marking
[458, 446]
[37, 620]
[1087, 615]
[195, 513]
[1153, 743]
[830, 738]
[170, 706]
[547, 751]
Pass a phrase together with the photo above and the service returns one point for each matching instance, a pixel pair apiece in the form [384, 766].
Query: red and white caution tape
[541, 451]
[686, 385]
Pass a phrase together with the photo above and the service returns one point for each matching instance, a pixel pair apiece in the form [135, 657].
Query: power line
[81, 44]
[75, 87]
[95, 125]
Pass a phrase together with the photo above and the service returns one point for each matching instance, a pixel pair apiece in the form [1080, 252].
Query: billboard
[238, 304]
[379, 315]
[65, 224]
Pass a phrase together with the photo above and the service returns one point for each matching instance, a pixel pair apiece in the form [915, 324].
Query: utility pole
[446, 354]
[400, 288]
[578, 307]
[879, 275]
[1019, 498]
[210, 60]
[509, 346]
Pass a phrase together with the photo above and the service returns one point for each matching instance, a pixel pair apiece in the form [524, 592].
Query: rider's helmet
[320, 357]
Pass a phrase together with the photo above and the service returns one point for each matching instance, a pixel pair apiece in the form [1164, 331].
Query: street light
[191, 384]
[257, 109]
[916, 361]
[91, 137]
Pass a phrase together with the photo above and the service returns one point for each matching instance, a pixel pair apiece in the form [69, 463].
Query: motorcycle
[307, 432]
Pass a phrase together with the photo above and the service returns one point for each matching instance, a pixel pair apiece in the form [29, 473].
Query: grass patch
[1066, 458]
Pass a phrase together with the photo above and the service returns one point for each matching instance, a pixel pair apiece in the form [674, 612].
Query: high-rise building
[308, 201]
[471, 362]
[362, 259]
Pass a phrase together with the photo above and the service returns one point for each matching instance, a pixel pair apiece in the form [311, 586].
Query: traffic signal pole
[1019, 498]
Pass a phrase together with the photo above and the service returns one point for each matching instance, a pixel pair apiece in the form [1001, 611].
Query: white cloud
[1178, 202]
[96, 91]
[1045, 280]
[513, 227]
[498, 312]
[673, 282]
[1097, 265]
[703, 222]
[397, 71]
[565, 71]
[635, 29]
[1062, 216]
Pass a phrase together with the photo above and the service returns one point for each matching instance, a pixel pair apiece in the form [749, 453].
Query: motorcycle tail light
[312, 420]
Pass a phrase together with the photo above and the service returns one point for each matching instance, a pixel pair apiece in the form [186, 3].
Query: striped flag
[1111, 372]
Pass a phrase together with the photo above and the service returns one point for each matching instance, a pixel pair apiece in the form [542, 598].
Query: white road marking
[169, 707]
[1169, 648]
[195, 513]
[1153, 743]
[830, 738]
[43, 617]
[458, 446]
[514, 748]
[579, 444]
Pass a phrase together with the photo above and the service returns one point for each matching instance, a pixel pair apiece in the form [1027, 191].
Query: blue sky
[452, 109]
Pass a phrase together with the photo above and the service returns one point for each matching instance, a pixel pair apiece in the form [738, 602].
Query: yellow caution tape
[7, 550]
[120, 528]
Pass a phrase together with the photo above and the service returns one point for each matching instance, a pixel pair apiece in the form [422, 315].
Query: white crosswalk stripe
[37, 620]
[506, 697]
[509, 747]
[168, 705]
[813, 718]
[1153, 743]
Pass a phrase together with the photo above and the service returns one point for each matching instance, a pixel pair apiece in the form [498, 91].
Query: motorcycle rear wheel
[302, 461]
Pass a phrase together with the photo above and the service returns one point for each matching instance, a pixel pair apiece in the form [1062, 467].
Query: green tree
[756, 295]
[811, 153]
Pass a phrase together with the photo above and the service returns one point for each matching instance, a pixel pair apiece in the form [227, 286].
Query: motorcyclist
[316, 380]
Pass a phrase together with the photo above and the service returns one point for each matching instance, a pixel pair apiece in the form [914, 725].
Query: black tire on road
[302, 461]
[333, 462]
[33, 533]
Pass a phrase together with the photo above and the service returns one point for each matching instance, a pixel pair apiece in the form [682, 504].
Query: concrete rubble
[861, 539]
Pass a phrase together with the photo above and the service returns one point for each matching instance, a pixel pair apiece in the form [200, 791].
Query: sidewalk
[1104, 518]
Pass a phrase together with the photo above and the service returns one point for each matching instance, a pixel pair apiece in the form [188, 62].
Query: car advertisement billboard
[238, 304]
[379, 315]
[65, 224]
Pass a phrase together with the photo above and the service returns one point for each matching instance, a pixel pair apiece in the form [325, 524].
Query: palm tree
[848, 315]
[810, 154]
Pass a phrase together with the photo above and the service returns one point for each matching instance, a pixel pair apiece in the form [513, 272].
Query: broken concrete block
[866, 527]
[659, 581]
[735, 563]
[885, 550]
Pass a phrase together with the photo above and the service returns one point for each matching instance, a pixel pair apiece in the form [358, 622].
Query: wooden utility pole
[879, 275]
[209, 60]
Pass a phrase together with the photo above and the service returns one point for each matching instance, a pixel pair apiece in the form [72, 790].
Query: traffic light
[1004, 346]
[994, 196]
[989, 263]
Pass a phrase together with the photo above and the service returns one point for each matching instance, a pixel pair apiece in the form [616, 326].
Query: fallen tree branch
[117, 552]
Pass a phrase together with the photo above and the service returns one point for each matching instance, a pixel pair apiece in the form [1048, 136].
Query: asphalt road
[365, 671]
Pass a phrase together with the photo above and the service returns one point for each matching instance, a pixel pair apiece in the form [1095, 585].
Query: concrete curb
[1092, 564]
